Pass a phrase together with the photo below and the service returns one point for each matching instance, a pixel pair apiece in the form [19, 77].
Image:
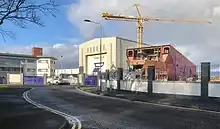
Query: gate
[33, 80]
[132, 81]
[3, 80]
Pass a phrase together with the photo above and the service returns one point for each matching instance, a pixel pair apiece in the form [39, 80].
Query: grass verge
[3, 86]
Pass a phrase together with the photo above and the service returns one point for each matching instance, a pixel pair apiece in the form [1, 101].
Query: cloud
[69, 52]
[198, 41]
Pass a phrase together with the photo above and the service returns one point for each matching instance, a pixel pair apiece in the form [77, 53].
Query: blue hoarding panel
[33, 80]
[90, 81]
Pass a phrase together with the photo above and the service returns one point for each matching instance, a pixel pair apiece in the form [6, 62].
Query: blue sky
[58, 29]
[68, 28]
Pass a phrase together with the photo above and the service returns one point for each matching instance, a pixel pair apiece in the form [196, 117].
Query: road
[101, 113]
[16, 113]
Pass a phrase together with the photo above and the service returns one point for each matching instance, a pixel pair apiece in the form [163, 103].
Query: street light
[100, 58]
[61, 62]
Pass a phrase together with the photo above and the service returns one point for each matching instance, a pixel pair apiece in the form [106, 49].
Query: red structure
[169, 63]
[36, 51]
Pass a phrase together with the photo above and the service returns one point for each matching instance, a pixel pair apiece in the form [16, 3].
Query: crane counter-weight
[139, 19]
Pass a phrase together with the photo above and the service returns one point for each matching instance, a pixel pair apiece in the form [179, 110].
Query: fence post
[81, 76]
[119, 78]
[205, 78]
[106, 78]
[151, 77]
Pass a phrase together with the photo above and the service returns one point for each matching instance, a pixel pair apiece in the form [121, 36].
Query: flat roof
[150, 47]
[115, 38]
[17, 55]
[54, 58]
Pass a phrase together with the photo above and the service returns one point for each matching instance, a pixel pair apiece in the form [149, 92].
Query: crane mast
[140, 20]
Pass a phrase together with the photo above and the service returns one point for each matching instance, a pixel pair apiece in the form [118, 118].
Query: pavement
[95, 112]
[195, 102]
[16, 113]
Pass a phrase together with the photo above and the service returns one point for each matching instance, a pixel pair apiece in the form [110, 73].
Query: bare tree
[22, 12]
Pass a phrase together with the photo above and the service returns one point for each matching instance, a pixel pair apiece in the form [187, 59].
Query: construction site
[168, 62]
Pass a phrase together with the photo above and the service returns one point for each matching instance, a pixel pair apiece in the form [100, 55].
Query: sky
[62, 34]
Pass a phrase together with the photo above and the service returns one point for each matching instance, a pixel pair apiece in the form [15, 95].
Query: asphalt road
[16, 113]
[101, 113]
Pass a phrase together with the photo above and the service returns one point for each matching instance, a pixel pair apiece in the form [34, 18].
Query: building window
[31, 70]
[30, 61]
[130, 53]
[93, 48]
[43, 61]
[90, 49]
[87, 50]
[166, 50]
[42, 70]
[97, 48]
[52, 62]
[103, 47]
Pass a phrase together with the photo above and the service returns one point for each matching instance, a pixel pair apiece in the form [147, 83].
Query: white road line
[71, 119]
[148, 103]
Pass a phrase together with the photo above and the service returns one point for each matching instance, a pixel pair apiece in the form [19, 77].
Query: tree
[23, 12]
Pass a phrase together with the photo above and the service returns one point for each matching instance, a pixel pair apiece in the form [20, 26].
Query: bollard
[119, 78]
[205, 78]
[150, 77]
[106, 79]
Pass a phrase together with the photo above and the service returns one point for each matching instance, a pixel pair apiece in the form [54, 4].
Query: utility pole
[100, 51]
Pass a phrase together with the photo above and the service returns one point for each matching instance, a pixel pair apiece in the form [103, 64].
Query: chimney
[36, 51]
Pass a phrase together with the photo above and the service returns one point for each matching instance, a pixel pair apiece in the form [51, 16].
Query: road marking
[148, 103]
[71, 119]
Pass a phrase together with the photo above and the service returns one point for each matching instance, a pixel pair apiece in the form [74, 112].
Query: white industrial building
[113, 53]
[46, 66]
[27, 64]
[17, 63]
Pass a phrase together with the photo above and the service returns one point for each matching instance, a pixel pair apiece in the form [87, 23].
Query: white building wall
[66, 71]
[122, 45]
[113, 52]
[30, 69]
[91, 48]
[46, 66]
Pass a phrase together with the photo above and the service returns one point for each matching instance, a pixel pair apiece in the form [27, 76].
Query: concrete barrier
[170, 87]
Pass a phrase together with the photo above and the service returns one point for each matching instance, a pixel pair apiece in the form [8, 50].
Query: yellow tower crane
[139, 19]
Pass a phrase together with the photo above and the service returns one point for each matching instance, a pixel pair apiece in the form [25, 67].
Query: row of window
[31, 70]
[46, 61]
[5, 61]
[46, 70]
[11, 69]
[95, 49]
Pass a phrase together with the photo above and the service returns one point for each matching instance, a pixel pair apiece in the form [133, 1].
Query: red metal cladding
[166, 60]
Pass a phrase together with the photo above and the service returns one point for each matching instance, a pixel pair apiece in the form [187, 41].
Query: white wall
[92, 47]
[178, 88]
[122, 45]
[30, 69]
[114, 47]
[66, 71]
[15, 79]
[214, 89]
[46, 65]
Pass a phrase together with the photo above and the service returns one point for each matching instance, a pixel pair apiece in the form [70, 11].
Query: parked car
[57, 81]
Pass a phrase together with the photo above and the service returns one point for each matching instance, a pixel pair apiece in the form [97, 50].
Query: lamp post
[21, 63]
[61, 62]
[100, 54]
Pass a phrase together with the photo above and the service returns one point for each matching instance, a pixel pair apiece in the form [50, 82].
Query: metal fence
[180, 73]
[184, 73]
[215, 73]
